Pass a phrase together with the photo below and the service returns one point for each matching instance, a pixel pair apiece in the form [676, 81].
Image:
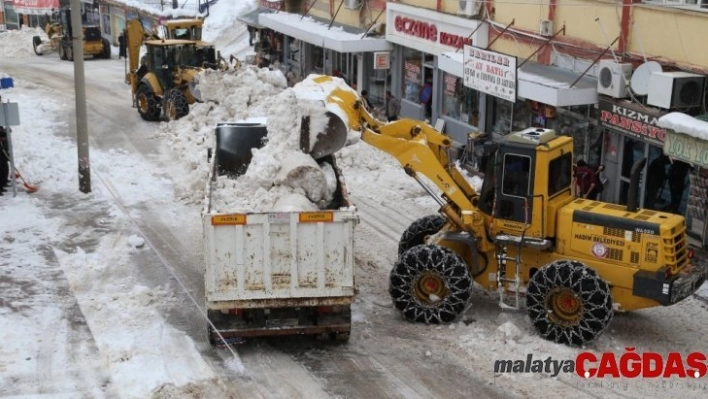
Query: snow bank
[277, 169]
[682, 123]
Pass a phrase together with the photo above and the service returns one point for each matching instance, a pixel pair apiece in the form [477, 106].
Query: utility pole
[77, 36]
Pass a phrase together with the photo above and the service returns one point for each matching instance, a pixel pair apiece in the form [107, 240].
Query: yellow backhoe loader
[575, 261]
[163, 79]
[60, 33]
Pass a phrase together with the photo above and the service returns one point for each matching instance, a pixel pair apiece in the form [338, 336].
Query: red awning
[40, 7]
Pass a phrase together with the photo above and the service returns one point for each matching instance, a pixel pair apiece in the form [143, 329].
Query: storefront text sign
[382, 60]
[686, 148]
[432, 32]
[272, 4]
[490, 72]
[633, 120]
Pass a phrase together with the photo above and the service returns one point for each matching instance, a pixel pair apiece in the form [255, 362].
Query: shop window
[412, 74]
[577, 122]
[459, 102]
[318, 59]
[508, 117]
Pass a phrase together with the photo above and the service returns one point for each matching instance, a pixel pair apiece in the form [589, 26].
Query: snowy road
[386, 363]
[386, 356]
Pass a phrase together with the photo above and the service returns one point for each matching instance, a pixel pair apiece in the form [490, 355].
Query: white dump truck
[275, 273]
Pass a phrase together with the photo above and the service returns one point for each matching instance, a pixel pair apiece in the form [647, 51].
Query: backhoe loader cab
[162, 84]
[191, 29]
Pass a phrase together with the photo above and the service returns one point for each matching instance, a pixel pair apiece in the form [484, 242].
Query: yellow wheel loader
[162, 80]
[575, 261]
[60, 33]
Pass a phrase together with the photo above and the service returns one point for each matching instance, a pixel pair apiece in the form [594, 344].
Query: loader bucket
[323, 139]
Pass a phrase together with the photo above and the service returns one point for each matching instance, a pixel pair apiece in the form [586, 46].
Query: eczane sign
[490, 72]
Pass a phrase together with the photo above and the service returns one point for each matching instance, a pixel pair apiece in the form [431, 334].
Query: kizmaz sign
[490, 72]
[633, 120]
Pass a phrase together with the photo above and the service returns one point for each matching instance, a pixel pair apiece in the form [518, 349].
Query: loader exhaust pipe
[634, 176]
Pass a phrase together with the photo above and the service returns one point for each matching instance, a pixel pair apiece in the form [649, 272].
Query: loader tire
[147, 103]
[36, 42]
[106, 52]
[69, 49]
[568, 303]
[419, 230]
[62, 52]
[430, 284]
[174, 104]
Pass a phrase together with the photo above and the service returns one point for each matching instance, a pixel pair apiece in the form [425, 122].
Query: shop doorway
[632, 151]
[664, 183]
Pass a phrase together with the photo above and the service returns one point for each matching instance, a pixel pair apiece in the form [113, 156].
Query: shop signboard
[632, 119]
[382, 60]
[36, 7]
[271, 4]
[686, 148]
[490, 72]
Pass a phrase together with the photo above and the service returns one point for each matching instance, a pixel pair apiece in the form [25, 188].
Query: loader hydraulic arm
[420, 149]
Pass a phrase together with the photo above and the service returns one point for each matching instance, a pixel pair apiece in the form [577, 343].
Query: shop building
[427, 71]
[687, 141]
[320, 39]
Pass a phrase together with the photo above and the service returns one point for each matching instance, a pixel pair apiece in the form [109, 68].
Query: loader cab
[164, 56]
[529, 176]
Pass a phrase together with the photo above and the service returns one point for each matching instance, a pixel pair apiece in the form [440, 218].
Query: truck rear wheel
[430, 284]
[175, 105]
[568, 303]
[36, 42]
[419, 230]
[147, 103]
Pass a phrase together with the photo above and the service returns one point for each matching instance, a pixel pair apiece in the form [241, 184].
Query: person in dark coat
[4, 160]
[677, 175]
[366, 101]
[121, 46]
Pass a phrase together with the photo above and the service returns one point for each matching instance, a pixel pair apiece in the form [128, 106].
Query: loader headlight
[194, 88]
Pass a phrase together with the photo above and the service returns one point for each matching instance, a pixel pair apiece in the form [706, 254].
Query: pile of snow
[686, 124]
[9, 40]
[279, 173]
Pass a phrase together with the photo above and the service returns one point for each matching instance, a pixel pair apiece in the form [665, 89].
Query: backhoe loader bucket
[331, 137]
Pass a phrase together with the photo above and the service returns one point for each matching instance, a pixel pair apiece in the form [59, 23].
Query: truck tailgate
[279, 259]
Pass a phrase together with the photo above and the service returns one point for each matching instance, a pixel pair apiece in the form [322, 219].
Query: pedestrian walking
[584, 178]
[393, 106]
[597, 185]
[121, 46]
[4, 160]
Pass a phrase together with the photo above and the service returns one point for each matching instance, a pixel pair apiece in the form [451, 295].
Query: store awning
[251, 18]
[545, 84]
[317, 32]
[551, 85]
